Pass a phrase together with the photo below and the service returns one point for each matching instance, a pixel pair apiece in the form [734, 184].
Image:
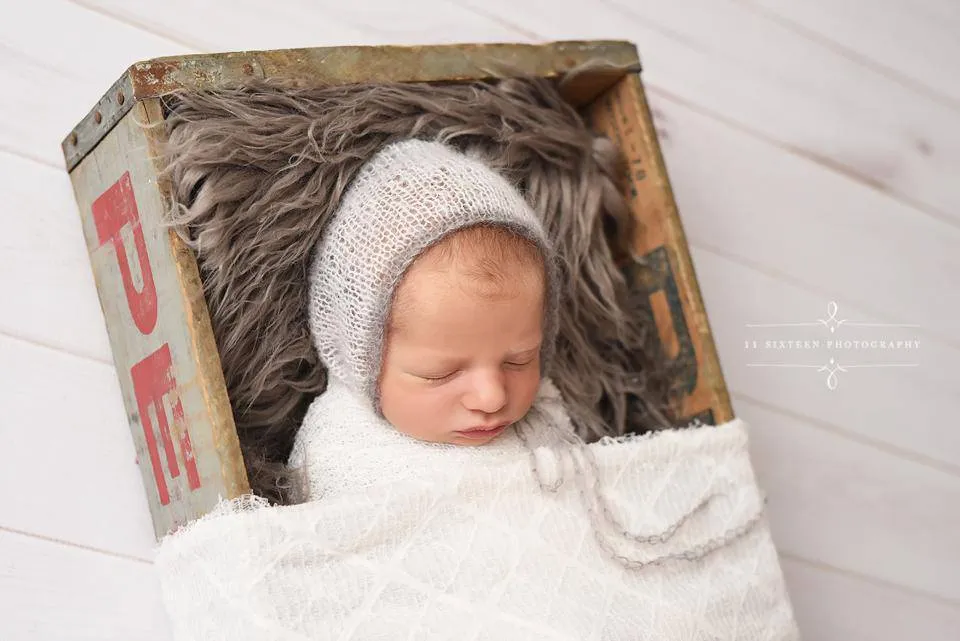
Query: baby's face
[462, 361]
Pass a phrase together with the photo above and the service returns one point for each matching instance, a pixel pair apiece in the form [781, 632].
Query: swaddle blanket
[530, 537]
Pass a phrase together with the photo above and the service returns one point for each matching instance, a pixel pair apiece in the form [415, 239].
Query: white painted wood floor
[814, 148]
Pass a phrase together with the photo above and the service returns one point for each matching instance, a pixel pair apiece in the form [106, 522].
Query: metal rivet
[97, 118]
[120, 97]
[248, 69]
[73, 139]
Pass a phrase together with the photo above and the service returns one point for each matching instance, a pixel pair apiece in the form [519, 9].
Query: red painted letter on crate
[113, 210]
[155, 388]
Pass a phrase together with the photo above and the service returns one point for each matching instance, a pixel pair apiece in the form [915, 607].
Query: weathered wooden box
[149, 285]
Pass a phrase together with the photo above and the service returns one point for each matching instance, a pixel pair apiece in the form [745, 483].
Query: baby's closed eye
[442, 375]
[438, 377]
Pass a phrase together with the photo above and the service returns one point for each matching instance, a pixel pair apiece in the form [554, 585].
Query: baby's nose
[488, 392]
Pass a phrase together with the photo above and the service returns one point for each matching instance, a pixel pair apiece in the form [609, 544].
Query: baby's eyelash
[446, 377]
[437, 379]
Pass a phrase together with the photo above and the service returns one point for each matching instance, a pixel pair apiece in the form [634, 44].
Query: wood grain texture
[914, 43]
[804, 95]
[160, 335]
[776, 84]
[69, 468]
[217, 411]
[52, 591]
[306, 23]
[45, 278]
[806, 235]
[623, 115]
[898, 409]
[856, 508]
[833, 606]
[49, 67]
[804, 221]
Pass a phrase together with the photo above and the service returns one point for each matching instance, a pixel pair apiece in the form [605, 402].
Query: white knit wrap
[415, 540]
[406, 198]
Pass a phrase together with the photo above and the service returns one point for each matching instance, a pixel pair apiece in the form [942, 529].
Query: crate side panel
[185, 464]
[666, 270]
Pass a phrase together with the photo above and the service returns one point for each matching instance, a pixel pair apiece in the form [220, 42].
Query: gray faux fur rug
[256, 171]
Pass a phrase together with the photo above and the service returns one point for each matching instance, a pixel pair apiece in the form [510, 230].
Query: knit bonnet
[406, 198]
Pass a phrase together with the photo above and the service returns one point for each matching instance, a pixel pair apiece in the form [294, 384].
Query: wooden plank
[48, 117]
[65, 45]
[793, 217]
[835, 502]
[45, 279]
[770, 81]
[668, 276]
[914, 43]
[53, 70]
[69, 469]
[832, 606]
[901, 409]
[426, 21]
[53, 591]
[253, 25]
[245, 25]
[159, 330]
[774, 84]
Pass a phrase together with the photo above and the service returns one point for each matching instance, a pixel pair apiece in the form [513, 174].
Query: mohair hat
[405, 199]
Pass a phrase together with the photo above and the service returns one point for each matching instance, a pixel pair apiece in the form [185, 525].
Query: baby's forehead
[490, 256]
[470, 276]
[488, 245]
[446, 309]
[432, 278]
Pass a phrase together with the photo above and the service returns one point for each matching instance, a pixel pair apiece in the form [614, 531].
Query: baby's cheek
[395, 403]
[410, 410]
[525, 391]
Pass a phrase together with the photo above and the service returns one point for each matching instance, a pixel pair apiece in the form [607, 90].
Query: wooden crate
[149, 285]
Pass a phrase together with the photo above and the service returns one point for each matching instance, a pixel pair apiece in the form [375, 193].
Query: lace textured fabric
[410, 540]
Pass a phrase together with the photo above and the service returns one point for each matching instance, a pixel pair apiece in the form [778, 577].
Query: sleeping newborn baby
[446, 495]
[433, 302]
